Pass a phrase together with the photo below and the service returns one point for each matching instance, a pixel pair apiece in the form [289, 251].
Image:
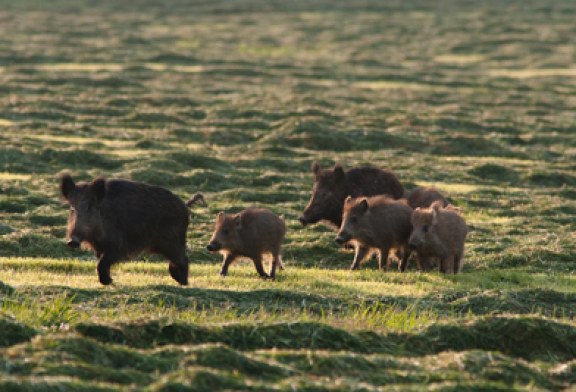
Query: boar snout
[303, 220]
[343, 238]
[414, 243]
[213, 247]
[73, 242]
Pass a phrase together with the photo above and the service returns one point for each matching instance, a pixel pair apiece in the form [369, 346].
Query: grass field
[237, 99]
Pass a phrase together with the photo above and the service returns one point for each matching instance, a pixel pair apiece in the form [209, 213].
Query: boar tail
[198, 198]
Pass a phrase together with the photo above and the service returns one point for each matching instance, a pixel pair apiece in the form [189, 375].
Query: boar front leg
[104, 263]
[259, 268]
[447, 264]
[361, 254]
[228, 259]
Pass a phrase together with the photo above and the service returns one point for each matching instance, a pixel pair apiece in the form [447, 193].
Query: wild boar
[376, 223]
[424, 197]
[251, 233]
[332, 186]
[439, 232]
[119, 218]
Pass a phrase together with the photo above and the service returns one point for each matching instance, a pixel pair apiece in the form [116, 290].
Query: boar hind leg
[104, 263]
[457, 262]
[404, 263]
[360, 255]
[276, 262]
[228, 259]
[383, 260]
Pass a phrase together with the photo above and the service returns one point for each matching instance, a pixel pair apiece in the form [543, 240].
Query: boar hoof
[105, 280]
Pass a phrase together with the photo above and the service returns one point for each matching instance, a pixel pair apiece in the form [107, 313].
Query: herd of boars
[367, 207]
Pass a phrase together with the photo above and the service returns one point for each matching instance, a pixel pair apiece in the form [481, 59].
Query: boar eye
[225, 232]
[425, 228]
[353, 219]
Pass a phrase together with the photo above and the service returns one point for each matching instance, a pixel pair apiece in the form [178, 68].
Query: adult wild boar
[250, 233]
[439, 232]
[119, 218]
[376, 223]
[332, 186]
[424, 197]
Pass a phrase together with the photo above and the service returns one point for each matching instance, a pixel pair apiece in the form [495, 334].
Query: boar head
[328, 193]
[84, 219]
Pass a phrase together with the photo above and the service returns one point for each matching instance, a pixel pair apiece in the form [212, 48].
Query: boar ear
[99, 188]
[437, 205]
[220, 217]
[363, 205]
[339, 171]
[238, 221]
[67, 185]
[348, 200]
[434, 217]
[315, 169]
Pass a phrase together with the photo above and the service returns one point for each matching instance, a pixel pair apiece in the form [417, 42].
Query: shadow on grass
[525, 337]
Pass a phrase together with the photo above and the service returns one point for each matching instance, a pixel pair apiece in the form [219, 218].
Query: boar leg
[259, 268]
[228, 259]
[457, 262]
[383, 258]
[424, 263]
[360, 255]
[104, 263]
[276, 261]
[446, 264]
[179, 270]
[405, 256]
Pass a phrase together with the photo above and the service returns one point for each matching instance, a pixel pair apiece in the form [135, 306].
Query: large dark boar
[250, 233]
[424, 197]
[332, 186]
[119, 218]
[376, 223]
[439, 232]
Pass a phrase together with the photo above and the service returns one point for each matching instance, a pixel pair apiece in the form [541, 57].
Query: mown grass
[237, 99]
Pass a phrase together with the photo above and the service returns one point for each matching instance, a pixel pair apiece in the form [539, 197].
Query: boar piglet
[376, 223]
[250, 233]
[439, 232]
[119, 218]
[424, 197]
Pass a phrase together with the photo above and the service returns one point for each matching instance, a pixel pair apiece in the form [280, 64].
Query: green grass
[236, 100]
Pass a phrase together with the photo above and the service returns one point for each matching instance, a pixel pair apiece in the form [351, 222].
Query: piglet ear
[437, 205]
[99, 188]
[315, 169]
[220, 217]
[67, 186]
[339, 171]
[238, 221]
[434, 216]
[363, 205]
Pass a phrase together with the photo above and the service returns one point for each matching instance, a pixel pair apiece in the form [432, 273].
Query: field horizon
[237, 100]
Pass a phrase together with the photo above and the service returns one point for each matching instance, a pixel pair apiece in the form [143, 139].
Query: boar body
[376, 223]
[251, 233]
[120, 218]
[439, 233]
